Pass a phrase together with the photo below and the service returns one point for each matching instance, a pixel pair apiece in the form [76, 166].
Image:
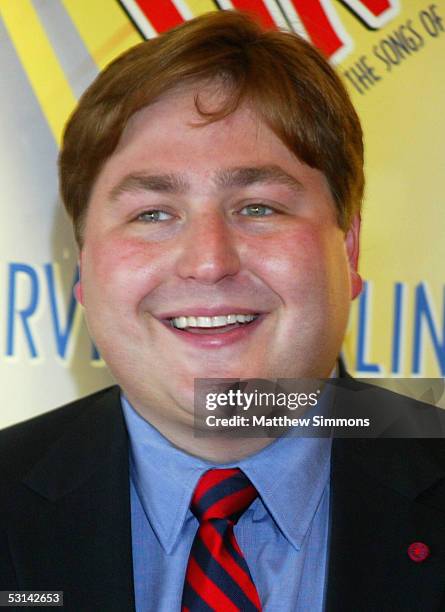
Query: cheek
[302, 260]
[121, 268]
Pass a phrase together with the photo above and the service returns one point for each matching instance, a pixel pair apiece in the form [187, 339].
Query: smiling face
[218, 225]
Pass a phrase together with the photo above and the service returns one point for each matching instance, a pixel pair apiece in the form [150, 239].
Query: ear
[78, 291]
[352, 243]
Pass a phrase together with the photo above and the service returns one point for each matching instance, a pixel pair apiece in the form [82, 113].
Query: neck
[221, 450]
[182, 433]
[179, 426]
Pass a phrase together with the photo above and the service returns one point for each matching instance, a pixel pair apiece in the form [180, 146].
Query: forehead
[183, 114]
[171, 137]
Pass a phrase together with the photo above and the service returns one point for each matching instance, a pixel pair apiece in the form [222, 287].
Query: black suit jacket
[65, 514]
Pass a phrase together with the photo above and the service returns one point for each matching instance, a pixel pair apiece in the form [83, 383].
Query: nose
[209, 251]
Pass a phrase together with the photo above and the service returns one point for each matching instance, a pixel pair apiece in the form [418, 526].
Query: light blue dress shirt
[283, 534]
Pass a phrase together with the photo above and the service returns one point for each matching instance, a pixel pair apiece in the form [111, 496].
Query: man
[214, 178]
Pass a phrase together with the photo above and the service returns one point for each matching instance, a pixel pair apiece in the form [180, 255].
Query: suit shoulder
[23, 443]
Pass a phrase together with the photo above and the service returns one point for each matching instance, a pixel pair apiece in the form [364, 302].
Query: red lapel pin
[418, 552]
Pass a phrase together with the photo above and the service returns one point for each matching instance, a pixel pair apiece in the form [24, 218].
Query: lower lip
[217, 340]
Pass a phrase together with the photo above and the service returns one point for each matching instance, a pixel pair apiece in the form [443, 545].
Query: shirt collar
[163, 475]
[290, 476]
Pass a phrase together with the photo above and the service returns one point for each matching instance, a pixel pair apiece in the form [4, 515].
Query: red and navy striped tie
[217, 578]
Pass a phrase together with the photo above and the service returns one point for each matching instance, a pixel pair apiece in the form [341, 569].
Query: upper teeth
[218, 321]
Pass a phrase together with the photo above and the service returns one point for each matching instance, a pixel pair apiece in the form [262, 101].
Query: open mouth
[212, 325]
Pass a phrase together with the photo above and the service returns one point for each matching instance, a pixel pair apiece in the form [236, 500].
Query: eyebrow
[244, 176]
[241, 176]
[160, 183]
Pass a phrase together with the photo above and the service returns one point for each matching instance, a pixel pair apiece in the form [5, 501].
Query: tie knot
[222, 494]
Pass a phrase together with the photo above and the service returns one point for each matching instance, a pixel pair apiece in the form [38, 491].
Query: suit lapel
[77, 538]
[385, 494]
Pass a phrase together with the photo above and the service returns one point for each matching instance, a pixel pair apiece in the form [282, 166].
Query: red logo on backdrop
[316, 20]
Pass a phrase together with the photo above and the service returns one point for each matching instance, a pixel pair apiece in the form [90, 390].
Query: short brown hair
[287, 80]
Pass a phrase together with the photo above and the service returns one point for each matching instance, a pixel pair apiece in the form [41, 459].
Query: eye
[257, 210]
[153, 216]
